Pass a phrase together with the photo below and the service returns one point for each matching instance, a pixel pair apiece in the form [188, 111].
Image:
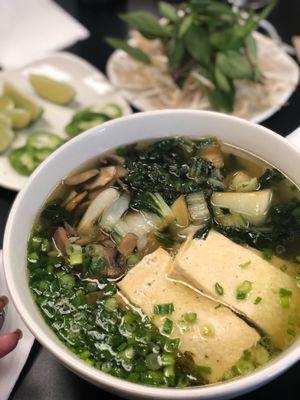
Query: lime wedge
[6, 103]
[22, 100]
[52, 90]
[20, 118]
[6, 133]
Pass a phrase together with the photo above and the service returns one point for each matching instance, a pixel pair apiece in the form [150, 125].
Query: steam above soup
[171, 263]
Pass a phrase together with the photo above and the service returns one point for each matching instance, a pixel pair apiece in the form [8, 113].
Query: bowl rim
[109, 382]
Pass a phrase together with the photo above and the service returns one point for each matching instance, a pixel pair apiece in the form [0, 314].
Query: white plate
[277, 66]
[91, 87]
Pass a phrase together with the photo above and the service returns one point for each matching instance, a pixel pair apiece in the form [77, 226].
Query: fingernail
[19, 333]
[3, 301]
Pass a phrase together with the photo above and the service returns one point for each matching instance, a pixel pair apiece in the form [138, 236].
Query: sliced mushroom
[71, 230]
[75, 201]
[115, 159]
[112, 270]
[71, 196]
[80, 210]
[81, 178]
[121, 172]
[127, 244]
[61, 239]
[107, 174]
[82, 241]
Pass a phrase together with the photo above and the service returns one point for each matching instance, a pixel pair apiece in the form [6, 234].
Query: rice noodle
[150, 87]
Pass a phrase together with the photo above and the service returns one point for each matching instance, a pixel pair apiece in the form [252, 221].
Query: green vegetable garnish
[285, 296]
[203, 369]
[190, 317]
[243, 290]
[208, 39]
[267, 254]
[167, 326]
[219, 289]
[257, 300]
[245, 265]
[162, 309]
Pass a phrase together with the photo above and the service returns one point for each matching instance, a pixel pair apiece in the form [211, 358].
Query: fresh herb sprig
[206, 38]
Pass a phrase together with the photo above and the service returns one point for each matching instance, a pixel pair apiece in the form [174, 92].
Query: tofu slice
[203, 263]
[146, 285]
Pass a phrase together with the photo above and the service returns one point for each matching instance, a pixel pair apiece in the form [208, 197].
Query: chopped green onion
[172, 344]
[262, 355]
[183, 326]
[207, 330]
[168, 359]
[169, 371]
[246, 355]
[98, 264]
[219, 289]
[257, 300]
[74, 251]
[284, 268]
[153, 361]
[297, 259]
[244, 367]
[217, 306]
[168, 326]
[203, 369]
[285, 292]
[111, 304]
[129, 353]
[243, 289]
[285, 302]
[161, 309]
[33, 257]
[132, 259]
[190, 317]
[267, 254]
[291, 332]
[66, 280]
[245, 265]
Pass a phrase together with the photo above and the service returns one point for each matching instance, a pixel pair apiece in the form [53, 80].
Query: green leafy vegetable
[167, 326]
[55, 214]
[133, 52]
[243, 290]
[219, 289]
[208, 37]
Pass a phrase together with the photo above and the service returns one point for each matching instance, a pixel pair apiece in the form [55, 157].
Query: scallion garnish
[257, 300]
[267, 254]
[203, 369]
[245, 264]
[167, 326]
[162, 309]
[190, 317]
[219, 289]
[243, 289]
[183, 326]
[285, 296]
[172, 344]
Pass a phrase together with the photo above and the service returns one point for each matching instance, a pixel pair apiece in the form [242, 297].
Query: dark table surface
[43, 378]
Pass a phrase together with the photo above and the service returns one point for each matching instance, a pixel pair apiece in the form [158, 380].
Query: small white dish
[91, 87]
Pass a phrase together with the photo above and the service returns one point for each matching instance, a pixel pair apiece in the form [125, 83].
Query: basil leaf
[185, 25]
[222, 101]
[133, 52]
[222, 81]
[234, 65]
[176, 52]
[168, 11]
[220, 39]
[197, 44]
[251, 48]
[146, 23]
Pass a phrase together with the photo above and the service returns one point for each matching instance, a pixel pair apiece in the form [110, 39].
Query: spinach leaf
[270, 178]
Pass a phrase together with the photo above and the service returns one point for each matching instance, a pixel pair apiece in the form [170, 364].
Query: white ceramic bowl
[253, 138]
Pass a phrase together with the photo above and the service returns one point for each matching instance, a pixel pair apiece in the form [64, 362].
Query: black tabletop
[43, 378]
